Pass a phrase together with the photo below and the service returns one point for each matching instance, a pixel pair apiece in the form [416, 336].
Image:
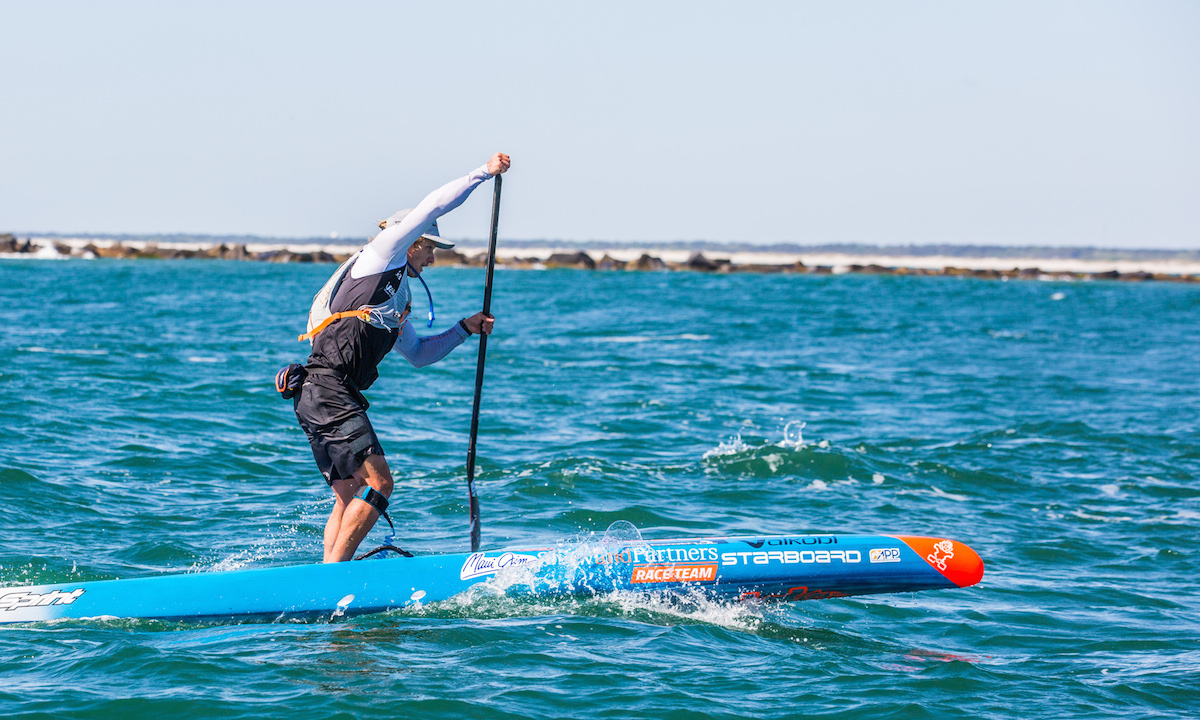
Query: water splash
[342, 605]
[623, 532]
[732, 447]
[795, 442]
[578, 564]
[591, 565]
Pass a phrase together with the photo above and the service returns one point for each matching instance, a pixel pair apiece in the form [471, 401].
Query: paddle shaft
[487, 310]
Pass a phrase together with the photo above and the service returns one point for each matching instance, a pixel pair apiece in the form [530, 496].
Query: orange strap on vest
[363, 315]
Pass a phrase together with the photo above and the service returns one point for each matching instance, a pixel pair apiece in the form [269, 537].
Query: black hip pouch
[289, 379]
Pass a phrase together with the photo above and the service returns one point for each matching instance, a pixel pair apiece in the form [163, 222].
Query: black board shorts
[334, 418]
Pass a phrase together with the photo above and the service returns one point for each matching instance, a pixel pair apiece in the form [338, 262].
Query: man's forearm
[422, 351]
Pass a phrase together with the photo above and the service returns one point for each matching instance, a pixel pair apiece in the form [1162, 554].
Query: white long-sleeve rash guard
[422, 351]
[389, 249]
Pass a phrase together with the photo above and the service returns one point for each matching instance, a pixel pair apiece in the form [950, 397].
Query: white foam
[624, 339]
[949, 496]
[650, 338]
[1102, 518]
[691, 604]
[735, 445]
[1181, 517]
[37, 349]
[694, 606]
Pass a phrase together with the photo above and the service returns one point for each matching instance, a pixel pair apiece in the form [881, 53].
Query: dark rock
[1136, 276]
[700, 263]
[872, 269]
[1029, 273]
[647, 262]
[287, 256]
[1110, 275]
[988, 274]
[323, 257]
[610, 263]
[577, 260]
[449, 257]
[116, 250]
[237, 252]
[8, 243]
[756, 268]
[821, 270]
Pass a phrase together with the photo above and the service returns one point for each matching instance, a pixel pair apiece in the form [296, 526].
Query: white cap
[431, 235]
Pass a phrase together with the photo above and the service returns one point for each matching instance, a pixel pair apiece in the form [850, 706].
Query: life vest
[390, 314]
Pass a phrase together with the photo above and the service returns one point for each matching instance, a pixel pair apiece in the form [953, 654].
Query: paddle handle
[487, 310]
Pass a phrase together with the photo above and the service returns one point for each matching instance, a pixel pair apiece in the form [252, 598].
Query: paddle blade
[474, 523]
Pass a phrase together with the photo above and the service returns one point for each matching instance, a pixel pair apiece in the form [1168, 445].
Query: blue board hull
[799, 567]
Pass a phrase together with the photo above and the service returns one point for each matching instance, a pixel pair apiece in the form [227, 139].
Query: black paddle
[487, 310]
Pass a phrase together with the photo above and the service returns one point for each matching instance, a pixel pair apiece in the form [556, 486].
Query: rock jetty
[577, 260]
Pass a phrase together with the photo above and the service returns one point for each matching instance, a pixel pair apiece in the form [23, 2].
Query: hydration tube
[430, 296]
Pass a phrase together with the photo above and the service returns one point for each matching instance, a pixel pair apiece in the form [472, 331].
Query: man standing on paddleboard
[360, 315]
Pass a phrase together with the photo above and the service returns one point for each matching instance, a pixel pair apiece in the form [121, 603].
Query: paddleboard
[769, 568]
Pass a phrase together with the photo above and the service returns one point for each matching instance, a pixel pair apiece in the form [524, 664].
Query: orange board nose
[960, 564]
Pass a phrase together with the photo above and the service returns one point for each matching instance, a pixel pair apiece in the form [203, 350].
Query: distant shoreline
[708, 247]
[975, 261]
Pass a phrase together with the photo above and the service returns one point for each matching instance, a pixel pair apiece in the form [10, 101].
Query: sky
[890, 122]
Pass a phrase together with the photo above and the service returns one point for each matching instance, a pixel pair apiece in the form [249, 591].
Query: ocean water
[1053, 427]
